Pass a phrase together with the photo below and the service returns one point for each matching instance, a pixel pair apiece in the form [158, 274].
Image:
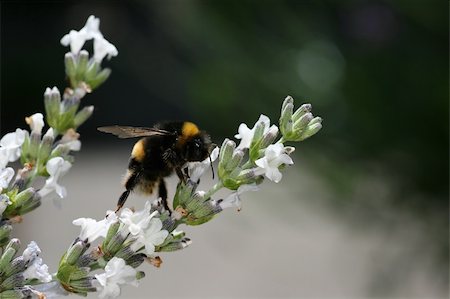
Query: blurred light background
[364, 211]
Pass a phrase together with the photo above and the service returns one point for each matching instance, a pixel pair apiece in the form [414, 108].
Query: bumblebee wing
[130, 132]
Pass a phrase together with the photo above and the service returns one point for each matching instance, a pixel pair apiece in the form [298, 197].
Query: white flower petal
[5, 177]
[247, 134]
[4, 203]
[138, 221]
[92, 229]
[116, 273]
[36, 122]
[31, 252]
[274, 156]
[37, 270]
[103, 48]
[10, 146]
[92, 27]
[56, 167]
[234, 200]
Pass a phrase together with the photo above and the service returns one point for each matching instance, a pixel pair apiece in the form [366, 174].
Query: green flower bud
[79, 273]
[13, 281]
[14, 244]
[114, 244]
[287, 101]
[99, 78]
[30, 205]
[140, 275]
[71, 67]
[246, 175]
[6, 258]
[112, 231]
[286, 115]
[82, 116]
[183, 194]
[305, 108]
[311, 130]
[23, 197]
[83, 285]
[136, 260]
[83, 58]
[74, 252]
[5, 231]
[235, 161]
[35, 140]
[92, 70]
[86, 260]
[303, 121]
[25, 149]
[13, 294]
[268, 138]
[46, 146]
[125, 252]
[68, 109]
[315, 120]
[176, 245]
[206, 210]
[17, 265]
[70, 105]
[225, 154]
[259, 131]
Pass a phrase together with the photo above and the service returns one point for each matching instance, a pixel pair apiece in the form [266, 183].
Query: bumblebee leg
[122, 200]
[162, 192]
[186, 172]
[180, 174]
[129, 186]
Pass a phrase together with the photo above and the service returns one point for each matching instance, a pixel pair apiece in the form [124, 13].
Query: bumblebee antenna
[212, 168]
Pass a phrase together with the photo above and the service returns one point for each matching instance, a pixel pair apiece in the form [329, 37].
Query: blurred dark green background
[376, 71]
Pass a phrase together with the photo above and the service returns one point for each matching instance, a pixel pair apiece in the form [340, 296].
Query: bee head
[198, 147]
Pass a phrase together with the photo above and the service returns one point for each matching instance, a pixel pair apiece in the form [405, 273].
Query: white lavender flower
[196, 169]
[152, 236]
[116, 273]
[246, 134]
[37, 270]
[103, 48]
[136, 222]
[234, 199]
[10, 147]
[56, 168]
[274, 156]
[92, 229]
[76, 39]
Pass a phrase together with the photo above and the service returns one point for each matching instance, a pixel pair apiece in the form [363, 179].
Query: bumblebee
[163, 149]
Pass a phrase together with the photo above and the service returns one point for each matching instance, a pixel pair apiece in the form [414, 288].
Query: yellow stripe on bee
[188, 130]
[138, 152]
